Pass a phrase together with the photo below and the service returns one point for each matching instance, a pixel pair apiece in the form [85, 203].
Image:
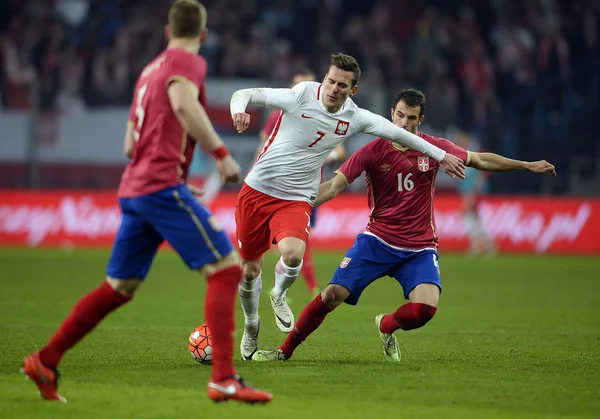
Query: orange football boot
[44, 378]
[235, 388]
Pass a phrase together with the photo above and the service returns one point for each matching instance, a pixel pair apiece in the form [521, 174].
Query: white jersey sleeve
[378, 126]
[287, 100]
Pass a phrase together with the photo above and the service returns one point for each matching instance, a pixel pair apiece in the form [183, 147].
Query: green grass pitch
[515, 337]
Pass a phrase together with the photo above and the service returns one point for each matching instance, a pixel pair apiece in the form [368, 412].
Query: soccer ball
[200, 344]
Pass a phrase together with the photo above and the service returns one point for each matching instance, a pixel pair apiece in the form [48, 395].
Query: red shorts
[262, 220]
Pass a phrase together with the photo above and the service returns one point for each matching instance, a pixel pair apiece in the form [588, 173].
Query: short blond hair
[187, 19]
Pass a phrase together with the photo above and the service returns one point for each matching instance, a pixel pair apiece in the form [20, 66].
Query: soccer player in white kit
[275, 203]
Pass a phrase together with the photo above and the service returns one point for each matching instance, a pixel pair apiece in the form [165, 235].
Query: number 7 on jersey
[321, 135]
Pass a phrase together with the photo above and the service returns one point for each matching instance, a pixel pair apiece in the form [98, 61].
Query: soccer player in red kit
[400, 239]
[167, 118]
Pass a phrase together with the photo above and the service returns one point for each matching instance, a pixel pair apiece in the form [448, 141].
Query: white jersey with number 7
[289, 166]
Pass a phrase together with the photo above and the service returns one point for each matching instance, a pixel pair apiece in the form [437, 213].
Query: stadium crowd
[472, 53]
[475, 60]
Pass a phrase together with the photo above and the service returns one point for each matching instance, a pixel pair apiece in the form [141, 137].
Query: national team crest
[345, 262]
[342, 127]
[423, 163]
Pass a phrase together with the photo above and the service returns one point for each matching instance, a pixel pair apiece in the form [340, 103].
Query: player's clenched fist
[542, 166]
[453, 166]
[229, 169]
[241, 121]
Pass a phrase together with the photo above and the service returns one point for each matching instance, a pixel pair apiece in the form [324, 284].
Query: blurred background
[519, 78]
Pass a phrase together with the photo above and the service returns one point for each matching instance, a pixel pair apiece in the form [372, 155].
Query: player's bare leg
[310, 319]
[41, 367]
[223, 278]
[286, 272]
[422, 305]
[250, 288]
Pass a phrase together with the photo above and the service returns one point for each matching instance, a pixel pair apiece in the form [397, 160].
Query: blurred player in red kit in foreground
[167, 118]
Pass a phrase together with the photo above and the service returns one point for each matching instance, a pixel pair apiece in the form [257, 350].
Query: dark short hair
[412, 98]
[347, 63]
[187, 19]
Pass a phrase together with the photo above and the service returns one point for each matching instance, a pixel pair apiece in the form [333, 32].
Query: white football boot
[249, 343]
[283, 314]
[269, 355]
[391, 349]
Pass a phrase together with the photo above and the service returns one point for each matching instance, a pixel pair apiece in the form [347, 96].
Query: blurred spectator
[17, 70]
[472, 189]
[46, 56]
[112, 80]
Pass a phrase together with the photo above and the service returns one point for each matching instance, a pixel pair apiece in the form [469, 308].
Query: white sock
[285, 276]
[250, 297]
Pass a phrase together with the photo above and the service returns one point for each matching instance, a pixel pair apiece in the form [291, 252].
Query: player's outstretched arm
[285, 99]
[330, 189]
[491, 162]
[183, 97]
[381, 127]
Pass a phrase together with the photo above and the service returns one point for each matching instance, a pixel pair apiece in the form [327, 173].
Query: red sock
[86, 314]
[220, 317]
[310, 319]
[308, 270]
[409, 316]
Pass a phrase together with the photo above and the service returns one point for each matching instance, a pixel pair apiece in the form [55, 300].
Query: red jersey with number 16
[400, 187]
[162, 149]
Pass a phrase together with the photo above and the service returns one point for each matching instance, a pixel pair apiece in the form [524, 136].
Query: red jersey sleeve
[359, 162]
[188, 67]
[450, 147]
[271, 122]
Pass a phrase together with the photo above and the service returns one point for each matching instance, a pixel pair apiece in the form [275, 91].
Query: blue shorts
[370, 259]
[172, 214]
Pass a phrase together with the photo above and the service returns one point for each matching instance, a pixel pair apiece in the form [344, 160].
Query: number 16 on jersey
[405, 184]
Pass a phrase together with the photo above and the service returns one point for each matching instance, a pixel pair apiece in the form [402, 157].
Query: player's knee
[250, 270]
[425, 293]
[334, 295]
[228, 261]
[292, 251]
[126, 287]
[293, 257]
